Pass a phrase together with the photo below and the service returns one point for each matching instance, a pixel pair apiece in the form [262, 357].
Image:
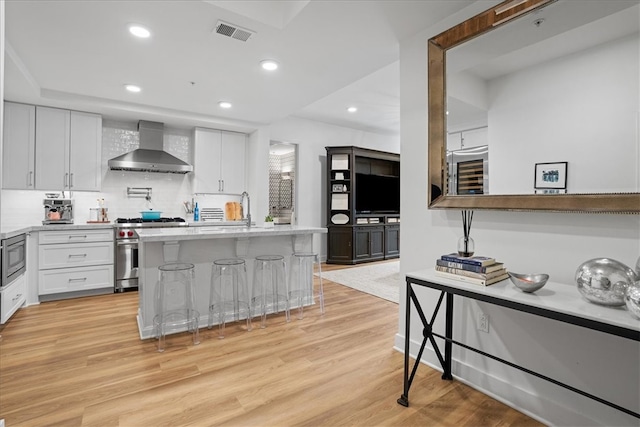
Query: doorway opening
[283, 160]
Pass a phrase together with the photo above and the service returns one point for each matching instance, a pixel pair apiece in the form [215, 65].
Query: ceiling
[332, 54]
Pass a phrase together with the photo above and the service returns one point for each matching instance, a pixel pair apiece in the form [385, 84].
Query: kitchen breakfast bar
[202, 244]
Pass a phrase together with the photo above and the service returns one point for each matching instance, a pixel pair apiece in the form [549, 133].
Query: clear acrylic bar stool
[229, 295]
[301, 281]
[269, 287]
[175, 302]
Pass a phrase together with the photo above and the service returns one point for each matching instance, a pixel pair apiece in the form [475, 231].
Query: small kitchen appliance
[126, 247]
[57, 211]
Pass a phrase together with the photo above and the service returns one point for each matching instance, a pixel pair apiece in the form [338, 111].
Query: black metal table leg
[404, 398]
[427, 334]
[446, 368]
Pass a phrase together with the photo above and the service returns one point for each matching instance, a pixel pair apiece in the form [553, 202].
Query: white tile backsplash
[21, 208]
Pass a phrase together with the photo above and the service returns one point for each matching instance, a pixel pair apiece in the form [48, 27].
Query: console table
[565, 305]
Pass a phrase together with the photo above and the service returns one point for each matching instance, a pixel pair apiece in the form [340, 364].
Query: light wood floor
[81, 363]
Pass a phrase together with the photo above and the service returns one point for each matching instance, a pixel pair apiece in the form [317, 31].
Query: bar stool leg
[228, 293]
[175, 302]
[269, 287]
[321, 294]
[302, 287]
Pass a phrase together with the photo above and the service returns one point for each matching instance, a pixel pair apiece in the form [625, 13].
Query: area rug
[382, 280]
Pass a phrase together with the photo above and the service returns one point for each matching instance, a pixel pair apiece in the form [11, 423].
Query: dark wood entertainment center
[362, 227]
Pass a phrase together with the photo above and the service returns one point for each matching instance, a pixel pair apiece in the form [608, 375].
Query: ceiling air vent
[233, 31]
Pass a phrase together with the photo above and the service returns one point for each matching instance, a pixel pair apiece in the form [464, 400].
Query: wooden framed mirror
[578, 196]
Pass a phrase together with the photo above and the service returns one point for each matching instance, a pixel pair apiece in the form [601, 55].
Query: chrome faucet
[248, 211]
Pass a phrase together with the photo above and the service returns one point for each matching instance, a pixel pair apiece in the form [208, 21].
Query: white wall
[581, 108]
[527, 242]
[1, 89]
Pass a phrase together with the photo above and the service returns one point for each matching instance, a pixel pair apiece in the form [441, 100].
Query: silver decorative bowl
[604, 281]
[528, 282]
[632, 299]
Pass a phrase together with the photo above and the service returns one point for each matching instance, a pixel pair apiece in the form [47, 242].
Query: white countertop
[10, 232]
[212, 231]
[558, 297]
[206, 227]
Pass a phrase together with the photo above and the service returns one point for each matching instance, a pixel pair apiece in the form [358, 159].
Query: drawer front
[77, 236]
[75, 279]
[75, 255]
[13, 296]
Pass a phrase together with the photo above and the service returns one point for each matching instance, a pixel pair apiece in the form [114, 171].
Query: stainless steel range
[126, 257]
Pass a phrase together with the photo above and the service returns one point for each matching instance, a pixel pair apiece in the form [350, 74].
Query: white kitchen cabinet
[85, 154]
[219, 162]
[75, 279]
[12, 297]
[76, 236]
[19, 140]
[467, 138]
[68, 150]
[75, 254]
[72, 261]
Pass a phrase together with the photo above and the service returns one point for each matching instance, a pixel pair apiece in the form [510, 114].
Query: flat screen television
[377, 194]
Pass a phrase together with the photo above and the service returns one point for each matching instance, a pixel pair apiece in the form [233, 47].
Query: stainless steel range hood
[150, 157]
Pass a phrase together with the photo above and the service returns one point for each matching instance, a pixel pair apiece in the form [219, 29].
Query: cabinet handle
[16, 298]
[79, 279]
[30, 179]
[77, 255]
[70, 180]
[78, 236]
[66, 180]
[222, 181]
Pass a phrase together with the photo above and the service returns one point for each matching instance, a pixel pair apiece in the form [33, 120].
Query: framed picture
[551, 176]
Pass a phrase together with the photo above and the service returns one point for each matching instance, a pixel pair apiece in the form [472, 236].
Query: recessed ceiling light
[269, 65]
[132, 88]
[352, 109]
[224, 104]
[139, 31]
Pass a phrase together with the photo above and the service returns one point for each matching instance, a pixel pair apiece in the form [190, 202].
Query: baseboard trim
[494, 387]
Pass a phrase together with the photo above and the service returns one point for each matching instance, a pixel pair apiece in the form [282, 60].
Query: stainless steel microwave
[14, 258]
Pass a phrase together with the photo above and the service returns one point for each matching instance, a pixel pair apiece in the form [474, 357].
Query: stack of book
[479, 270]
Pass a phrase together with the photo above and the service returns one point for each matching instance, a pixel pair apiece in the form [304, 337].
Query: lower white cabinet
[13, 296]
[75, 255]
[72, 261]
[75, 279]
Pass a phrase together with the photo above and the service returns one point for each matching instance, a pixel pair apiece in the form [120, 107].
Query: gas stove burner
[141, 221]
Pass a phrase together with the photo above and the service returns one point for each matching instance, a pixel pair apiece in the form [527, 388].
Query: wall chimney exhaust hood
[150, 157]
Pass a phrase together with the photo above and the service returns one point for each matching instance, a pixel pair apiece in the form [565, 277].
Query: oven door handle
[126, 243]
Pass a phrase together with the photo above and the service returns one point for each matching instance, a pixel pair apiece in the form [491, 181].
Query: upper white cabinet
[467, 138]
[85, 154]
[52, 148]
[219, 161]
[68, 150]
[18, 161]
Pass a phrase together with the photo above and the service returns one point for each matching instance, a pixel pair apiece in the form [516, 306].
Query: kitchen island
[202, 245]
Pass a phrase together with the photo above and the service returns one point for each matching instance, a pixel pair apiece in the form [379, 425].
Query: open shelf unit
[355, 234]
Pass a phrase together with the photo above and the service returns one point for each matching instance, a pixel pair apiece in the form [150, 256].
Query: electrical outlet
[483, 322]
